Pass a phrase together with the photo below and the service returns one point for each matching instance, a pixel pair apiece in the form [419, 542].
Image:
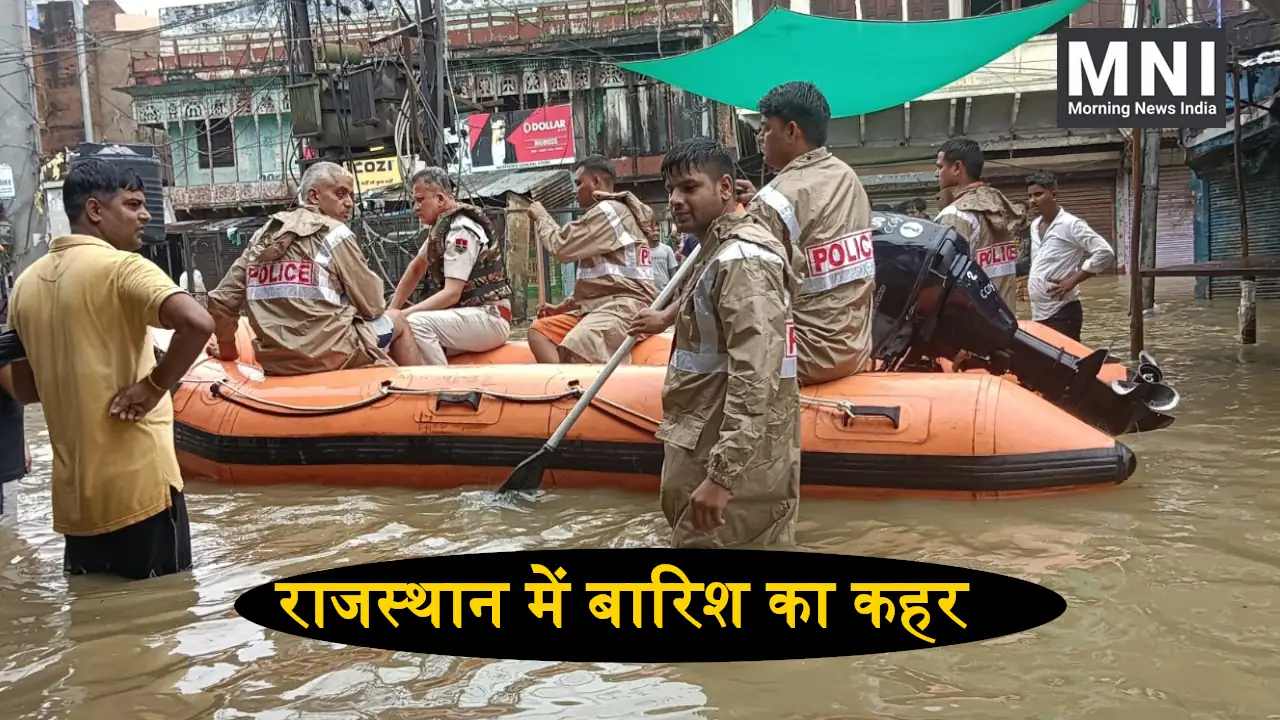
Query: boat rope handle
[220, 390]
[844, 406]
[226, 392]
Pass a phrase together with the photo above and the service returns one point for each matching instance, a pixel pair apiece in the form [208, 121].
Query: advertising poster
[375, 173]
[520, 138]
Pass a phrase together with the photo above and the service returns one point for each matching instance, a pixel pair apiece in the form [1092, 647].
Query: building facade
[1211, 153]
[1010, 108]
[216, 84]
[114, 39]
[507, 58]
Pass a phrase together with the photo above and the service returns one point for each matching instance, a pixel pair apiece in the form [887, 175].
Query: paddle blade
[528, 475]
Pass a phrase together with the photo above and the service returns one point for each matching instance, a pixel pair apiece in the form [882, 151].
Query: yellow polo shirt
[82, 312]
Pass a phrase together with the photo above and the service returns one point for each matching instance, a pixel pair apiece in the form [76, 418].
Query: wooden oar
[528, 474]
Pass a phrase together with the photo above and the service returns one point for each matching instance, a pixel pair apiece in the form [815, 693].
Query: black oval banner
[650, 605]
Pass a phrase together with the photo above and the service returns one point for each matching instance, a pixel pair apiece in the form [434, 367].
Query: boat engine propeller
[934, 301]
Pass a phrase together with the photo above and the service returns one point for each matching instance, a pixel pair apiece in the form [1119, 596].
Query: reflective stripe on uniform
[707, 359]
[320, 289]
[615, 221]
[839, 261]
[632, 268]
[781, 205]
[998, 260]
[970, 218]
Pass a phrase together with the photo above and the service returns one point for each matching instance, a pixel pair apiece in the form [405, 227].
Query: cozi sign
[1142, 78]
[374, 173]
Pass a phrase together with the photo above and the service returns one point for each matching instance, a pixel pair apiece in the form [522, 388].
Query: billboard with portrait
[540, 137]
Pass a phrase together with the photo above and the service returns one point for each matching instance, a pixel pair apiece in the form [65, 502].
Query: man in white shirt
[1065, 252]
[664, 262]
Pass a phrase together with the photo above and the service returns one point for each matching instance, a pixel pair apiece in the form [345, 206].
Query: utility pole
[86, 107]
[1151, 178]
[1248, 314]
[431, 76]
[1135, 256]
[298, 51]
[20, 148]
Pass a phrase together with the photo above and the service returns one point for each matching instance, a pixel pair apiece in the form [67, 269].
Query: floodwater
[1172, 580]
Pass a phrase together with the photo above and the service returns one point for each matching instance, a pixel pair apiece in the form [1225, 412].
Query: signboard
[375, 173]
[1142, 77]
[8, 190]
[519, 139]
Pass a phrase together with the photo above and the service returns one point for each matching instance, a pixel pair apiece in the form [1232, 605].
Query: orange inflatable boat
[972, 435]
[656, 350]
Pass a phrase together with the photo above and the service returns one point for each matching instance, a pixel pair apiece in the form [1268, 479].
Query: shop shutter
[1175, 218]
[1262, 194]
[894, 197]
[1093, 201]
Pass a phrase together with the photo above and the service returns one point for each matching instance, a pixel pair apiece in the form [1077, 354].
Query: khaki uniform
[989, 222]
[819, 206]
[310, 296]
[730, 403]
[615, 279]
[460, 247]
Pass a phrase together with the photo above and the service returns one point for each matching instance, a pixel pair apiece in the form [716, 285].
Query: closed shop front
[1175, 218]
[1094, 201]
[894, 197]
[1262, 198]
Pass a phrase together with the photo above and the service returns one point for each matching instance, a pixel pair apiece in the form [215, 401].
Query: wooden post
[1135, 250]
[1248, 314]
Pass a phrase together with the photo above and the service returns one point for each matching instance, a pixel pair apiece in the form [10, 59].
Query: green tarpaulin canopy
[862, 66]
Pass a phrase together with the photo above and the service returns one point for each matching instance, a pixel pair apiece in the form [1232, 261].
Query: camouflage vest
[488, 282]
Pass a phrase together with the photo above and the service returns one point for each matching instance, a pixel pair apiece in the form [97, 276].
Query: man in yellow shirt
[83, 313]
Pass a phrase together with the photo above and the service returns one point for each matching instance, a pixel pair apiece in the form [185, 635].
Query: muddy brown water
[1172, 580]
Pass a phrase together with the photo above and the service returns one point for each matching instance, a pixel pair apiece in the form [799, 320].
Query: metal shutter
[1093, 201]
[1262, 193]
[1175, 218]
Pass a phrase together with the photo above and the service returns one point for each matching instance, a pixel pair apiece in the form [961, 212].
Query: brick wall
[108, 59]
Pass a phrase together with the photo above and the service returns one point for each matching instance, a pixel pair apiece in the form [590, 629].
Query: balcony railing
[514, 25]
[245, 55]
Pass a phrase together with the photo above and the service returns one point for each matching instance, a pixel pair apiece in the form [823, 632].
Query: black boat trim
[982, 473]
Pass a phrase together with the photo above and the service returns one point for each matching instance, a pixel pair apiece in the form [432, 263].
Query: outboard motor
[933, 300]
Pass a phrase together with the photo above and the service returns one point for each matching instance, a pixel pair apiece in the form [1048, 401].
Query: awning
[553, 188]
[862, 66]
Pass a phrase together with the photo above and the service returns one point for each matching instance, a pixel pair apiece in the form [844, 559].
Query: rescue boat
[874, 434]
[933, 301]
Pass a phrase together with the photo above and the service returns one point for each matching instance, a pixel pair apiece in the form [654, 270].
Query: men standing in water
[817, 204]
[83, 313]
[471, 308]
[313, 302]
[981, 214]
[610, 243]
[1065, 252]
[730, 402]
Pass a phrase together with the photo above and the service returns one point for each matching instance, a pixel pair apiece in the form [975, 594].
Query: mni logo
[1150, 77]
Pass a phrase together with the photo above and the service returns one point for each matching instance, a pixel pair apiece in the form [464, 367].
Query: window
[216, 143]
[1099, 14]
[928, 10]
[991, 7]
[842, 9]
[881, 9]
[1202, 11]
